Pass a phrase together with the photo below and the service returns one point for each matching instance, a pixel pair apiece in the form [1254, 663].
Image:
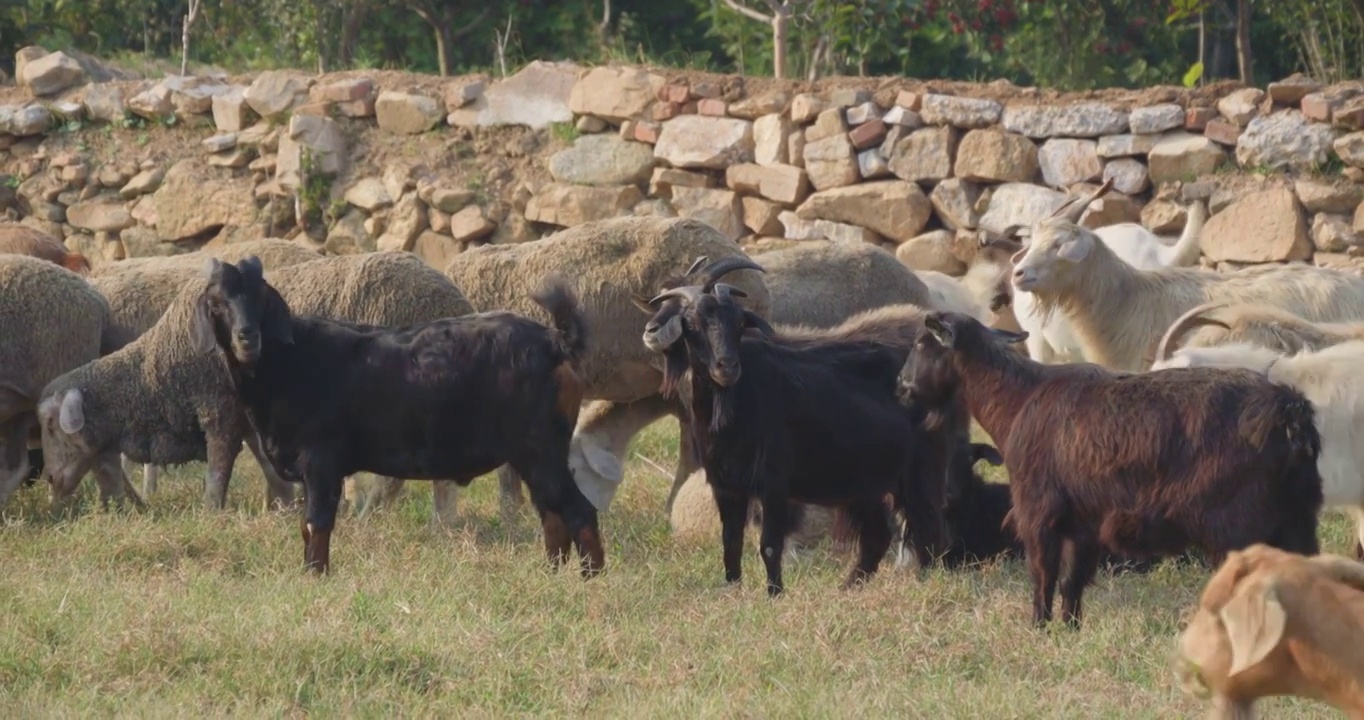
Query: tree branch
[469, 27]
[749, 12]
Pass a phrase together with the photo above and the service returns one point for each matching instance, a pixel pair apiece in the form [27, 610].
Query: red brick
[909, 100]
[1198, 118]
[1222, 131]
[666, 111]
[677, 93]
[647, 132]
[867, 134]
[711, 107]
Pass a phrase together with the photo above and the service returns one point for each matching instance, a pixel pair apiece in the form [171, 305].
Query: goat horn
[700, 260]
[725, 290]
[1072, 211]
[687, 292]
[723, 267]
[1184, 325]
[1342, 570]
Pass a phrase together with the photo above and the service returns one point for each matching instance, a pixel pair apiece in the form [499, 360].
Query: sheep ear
[642, 303]
[602, 461]
[988, 453]
[1255, 622]
[1075, 248]
[201, 327]
[72, 415]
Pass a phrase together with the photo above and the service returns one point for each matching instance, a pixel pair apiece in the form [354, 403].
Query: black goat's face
[931, 376]
[664, 327]
[237, 309]
[713, 327]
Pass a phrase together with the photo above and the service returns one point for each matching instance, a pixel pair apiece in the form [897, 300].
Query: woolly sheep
[693, 517]
[1119, 312]
[1330, 379]
[611, 262]
[1276, 623]
[20, 239]
[273, 252]
[949, 294]
[121, 401]
[1212, 324]
[51, 321]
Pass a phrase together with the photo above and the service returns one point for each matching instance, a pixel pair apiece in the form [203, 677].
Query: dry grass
[176, 612]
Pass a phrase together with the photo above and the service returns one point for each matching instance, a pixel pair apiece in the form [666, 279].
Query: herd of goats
[1212, 413]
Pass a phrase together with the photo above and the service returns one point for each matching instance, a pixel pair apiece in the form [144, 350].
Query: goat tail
[558, 299]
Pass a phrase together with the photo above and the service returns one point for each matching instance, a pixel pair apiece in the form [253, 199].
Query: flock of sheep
[1143, 408]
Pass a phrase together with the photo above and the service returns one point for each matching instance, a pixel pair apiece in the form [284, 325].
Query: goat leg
[279, 493]
[113, 482]
[776, 518]
[1043, 551]
[868, 517]
[1084, 562]
[509, 492]
[321, 498]
[733, 508]
[687, 463]
[444, 500]
[557, 541]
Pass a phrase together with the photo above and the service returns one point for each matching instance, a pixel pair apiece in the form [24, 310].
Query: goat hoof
[774, 591]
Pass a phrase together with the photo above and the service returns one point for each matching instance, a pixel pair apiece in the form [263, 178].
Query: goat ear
[201, 327]
[602, 461]
[1255, 622]
[71, 418]
[988, 453]
[1075, 248]
[642, 303]
[276, 321]
[1009, 336]
[755, 321]
[941, 331]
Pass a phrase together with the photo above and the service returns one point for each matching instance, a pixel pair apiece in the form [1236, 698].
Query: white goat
[1330, 379]
[1052, 339]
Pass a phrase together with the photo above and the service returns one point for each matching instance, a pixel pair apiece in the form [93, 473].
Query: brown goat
[1143, 464]
[16, 239]
[1276, 623]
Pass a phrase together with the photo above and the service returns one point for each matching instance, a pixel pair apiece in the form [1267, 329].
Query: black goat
[449, 399]
[894, 327]
[817, 424]
[1144, 464]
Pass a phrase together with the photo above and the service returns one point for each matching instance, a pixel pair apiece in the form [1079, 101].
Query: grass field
[176, 612]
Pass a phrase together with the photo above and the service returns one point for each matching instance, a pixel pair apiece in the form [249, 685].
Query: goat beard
[721, 409]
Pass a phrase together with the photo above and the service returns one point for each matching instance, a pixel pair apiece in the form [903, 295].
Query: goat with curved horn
[1185, 324]
[688, 293]
[722, 267]
[1074, 209]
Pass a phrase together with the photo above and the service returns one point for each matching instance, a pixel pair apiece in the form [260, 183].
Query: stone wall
[919, 167]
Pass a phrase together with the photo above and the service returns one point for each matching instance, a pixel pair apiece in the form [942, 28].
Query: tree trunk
[779, 26]
[443, 43]
[1243, 54]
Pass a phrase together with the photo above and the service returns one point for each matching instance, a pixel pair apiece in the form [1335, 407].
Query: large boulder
[537, 96]
[1284, 140]
[996, 156]
[614, 93]
[603, 159]
[1019, 203]
[570, 205]
[1264, 226]
[51, 74]
[697, 141]
[1086, 120]
[895, 209]
[1183, 156]
[195, 199]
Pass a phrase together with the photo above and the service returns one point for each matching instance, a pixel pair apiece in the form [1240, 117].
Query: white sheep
[1330, 379]
[1119, 312]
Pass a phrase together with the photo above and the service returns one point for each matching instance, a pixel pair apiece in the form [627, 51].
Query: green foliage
[565, 131]
[1070, 44]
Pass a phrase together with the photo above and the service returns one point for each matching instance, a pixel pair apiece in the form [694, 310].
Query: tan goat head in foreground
[1271, 622]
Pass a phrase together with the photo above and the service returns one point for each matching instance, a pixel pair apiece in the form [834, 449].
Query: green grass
[179, 612]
